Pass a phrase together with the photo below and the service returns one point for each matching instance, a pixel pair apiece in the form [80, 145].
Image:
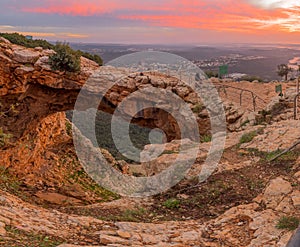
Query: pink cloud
[226, 15]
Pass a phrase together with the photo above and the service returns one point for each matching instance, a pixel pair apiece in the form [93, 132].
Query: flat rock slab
[25, 56]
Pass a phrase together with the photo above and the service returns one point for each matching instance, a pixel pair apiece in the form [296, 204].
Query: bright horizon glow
[161, 22]
[272, 4]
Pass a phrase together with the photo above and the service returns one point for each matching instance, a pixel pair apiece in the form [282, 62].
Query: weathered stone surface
[239, 226]
[296, 198]
[106, 239]
[275, 192]
[25, 56]
[123, 234]
[297, 175]
[279, 135]
[2, 229]
[285, 206]
[162, 156]
[43, 62]
[24, 69]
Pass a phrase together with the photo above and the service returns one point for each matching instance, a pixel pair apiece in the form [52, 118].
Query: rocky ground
[237, 206]
[47, 199]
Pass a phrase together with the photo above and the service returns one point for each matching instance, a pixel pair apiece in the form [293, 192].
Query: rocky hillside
[46, 198]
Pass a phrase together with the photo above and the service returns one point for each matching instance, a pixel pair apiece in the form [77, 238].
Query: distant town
[252, 60]
[231, 60]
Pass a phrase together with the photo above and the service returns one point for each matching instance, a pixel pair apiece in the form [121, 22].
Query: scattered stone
[58, 198]
[24, 69]
[183, 196]
[123, 234]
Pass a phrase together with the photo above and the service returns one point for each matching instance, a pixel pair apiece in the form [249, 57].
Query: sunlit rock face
[36, 91]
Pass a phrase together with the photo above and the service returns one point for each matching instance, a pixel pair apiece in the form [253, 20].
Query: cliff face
[28, 84]
[32, 156]
[32, 100]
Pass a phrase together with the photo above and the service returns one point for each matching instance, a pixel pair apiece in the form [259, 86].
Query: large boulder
[25, 56]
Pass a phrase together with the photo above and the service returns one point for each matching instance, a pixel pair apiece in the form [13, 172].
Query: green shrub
[68, 127]
[245, 123]
[288, 222]
[206, 138]
[20, 39]
[210, 74]
[198, 108]
[251, 78]
[65, 59]
[8, 181]
[248, 137]
[172, 203]
[289, 156]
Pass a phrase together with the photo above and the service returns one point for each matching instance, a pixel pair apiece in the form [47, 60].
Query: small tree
[210, 74]
[65, 59]
[283, 70]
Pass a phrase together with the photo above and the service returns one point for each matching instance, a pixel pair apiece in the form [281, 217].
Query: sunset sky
[155, 21]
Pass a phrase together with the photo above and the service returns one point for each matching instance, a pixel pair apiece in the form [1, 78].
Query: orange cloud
[38, 34]
[225, 15]
[41, 34]
[239, 17]
[289, 21]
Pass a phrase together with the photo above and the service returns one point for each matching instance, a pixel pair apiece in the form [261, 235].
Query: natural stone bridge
[31, 91]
